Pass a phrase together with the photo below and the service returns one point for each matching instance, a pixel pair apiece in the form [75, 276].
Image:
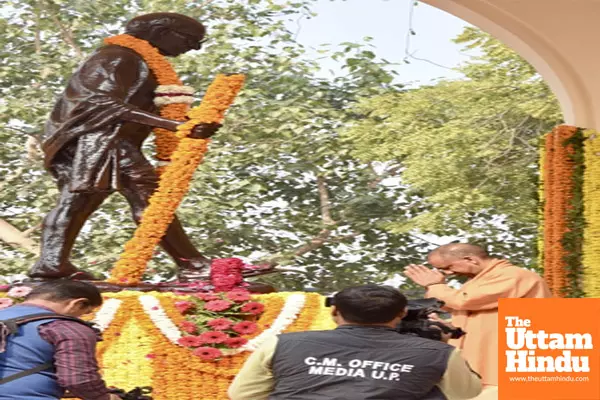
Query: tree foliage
[277, 185]
[286, 181]
[469, 147]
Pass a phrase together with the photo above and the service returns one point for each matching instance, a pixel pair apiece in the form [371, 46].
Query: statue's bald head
[175, 21]
[171, 33]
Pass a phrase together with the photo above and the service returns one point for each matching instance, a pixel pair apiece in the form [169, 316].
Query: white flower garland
[162, 321]
[289, 312]
[105, 315]
[173, 94]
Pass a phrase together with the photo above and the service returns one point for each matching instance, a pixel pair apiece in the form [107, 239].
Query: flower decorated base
[141, 331]
[181, 287]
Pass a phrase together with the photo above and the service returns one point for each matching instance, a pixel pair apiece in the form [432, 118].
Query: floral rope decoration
[572, 239]
[591, 201]
[562, 192]
[548, 209]
[172, 97]
[175, 181]
[541, 201]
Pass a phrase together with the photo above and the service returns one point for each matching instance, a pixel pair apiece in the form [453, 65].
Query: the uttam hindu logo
[547, 349]
[523, 341]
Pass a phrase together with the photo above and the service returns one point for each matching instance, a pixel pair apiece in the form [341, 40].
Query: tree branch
[17, 239]
[37, 39]
[325, 202]
[66, 33]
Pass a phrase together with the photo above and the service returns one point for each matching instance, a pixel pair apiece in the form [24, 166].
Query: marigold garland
[548, 237]
[166, 142]
[541, 202]
[174, 372]
[572, 240]
[562, 170]
[560, 250]
[591, 198]
[174, 182]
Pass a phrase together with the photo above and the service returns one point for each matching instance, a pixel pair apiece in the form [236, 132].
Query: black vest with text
[358, 363]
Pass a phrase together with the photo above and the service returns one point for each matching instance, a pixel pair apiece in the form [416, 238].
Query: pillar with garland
[569, 235]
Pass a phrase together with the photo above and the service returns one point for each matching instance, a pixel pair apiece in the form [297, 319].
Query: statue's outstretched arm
[153, 120]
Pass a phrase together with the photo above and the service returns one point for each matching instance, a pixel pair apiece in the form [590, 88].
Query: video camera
[417, 322]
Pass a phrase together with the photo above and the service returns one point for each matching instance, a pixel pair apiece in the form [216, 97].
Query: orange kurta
[474, 308]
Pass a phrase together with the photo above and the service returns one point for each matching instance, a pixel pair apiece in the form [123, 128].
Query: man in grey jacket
[363, 358]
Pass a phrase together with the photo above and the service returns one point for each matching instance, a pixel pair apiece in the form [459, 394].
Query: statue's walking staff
[181, 154]
[174, 181]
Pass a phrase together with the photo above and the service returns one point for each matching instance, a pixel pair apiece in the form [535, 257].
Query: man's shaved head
[455, 251]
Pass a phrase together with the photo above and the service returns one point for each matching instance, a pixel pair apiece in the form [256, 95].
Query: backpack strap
[25, 373]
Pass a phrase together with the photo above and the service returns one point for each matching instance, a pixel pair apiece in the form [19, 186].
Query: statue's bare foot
[193, 270]
[68, 271]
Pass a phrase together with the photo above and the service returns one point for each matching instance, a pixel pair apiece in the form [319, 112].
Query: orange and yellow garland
[166, 143]
[135, 352]
[188, 154]
[558, 190]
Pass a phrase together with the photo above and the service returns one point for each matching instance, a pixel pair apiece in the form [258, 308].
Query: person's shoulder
[521, 272]
[418, 342]
[305, 334]
[71, 329]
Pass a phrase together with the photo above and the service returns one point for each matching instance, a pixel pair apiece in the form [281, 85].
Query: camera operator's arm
[459, 381]
[255, 380]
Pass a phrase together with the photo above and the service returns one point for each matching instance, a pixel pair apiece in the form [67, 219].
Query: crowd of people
[47, 350]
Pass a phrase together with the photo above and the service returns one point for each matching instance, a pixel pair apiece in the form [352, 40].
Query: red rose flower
[188, 327]
[190, 341]
[213, 337]
[208, 353]
[234, 343]
[238, 295]
[217, 305]
[226, 273]
[224, 283]
[253, 308]
[183, 306]
[206, 296]
[220, 324]
[245, 328]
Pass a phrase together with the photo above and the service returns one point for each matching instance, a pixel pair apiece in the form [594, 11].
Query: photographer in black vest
[363, 358]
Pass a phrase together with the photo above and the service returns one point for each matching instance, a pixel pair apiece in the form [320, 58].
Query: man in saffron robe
[474, 307]
[92, 142]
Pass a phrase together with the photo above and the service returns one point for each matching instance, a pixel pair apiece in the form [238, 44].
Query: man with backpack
[45, 349]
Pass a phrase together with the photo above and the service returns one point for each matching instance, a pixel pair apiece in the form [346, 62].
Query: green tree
[277, 186]
[468, 147]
